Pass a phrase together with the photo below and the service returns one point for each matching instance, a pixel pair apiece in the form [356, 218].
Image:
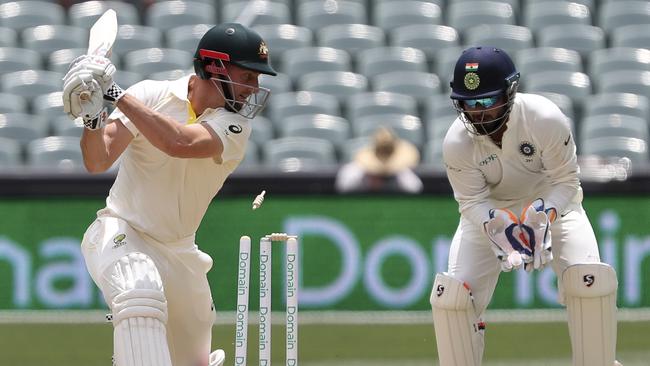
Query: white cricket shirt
[163, 196]
[537, 160]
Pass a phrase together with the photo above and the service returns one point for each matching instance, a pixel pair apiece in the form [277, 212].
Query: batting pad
[459, 331]
[590, 296]
[139, 312]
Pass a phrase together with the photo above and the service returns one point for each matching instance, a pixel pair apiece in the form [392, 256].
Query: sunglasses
[484, 102]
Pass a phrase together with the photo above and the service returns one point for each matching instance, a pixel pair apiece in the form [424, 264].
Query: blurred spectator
[383, 166]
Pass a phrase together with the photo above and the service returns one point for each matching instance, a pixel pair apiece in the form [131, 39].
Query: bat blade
[101, 39]
[102, 34]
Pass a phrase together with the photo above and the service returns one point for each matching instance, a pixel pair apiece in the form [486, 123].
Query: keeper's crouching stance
[506, 153]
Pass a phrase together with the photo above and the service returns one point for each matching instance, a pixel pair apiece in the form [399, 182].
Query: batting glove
[536, 225]
[506, 237]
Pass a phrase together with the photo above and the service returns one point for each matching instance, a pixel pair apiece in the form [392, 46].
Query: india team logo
[471, 80]
[527, 149]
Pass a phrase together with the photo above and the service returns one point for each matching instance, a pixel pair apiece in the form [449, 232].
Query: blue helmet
[483, 72]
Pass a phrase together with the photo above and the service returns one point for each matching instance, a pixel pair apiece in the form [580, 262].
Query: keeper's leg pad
[139, 312]
[459, 330]
[590, 297]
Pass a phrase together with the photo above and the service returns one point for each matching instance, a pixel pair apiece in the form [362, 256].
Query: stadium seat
[466, 14]
[299, 61]
[510, 38]
[166, 15]
[23, 127]
[319, 14]
[186, 37]
[633, 148]
[251, 157]
[283, 37]
[613, 125]
[389, 15]
[280, 83]
[635, 35]
[617, 103]
[444, 64]
[381, 60]
[59, 60]
[565, 103]
[125, 79]
[539, 15]
[534, 60]
[20, 15]
[615, 14]
[351, 38]
[31, 83]
[430, 38]
[299, 153]
[575, 85]
[406, 126]
[417, 84]
[256, 12]
[151, 60]
[286, 105]
[19, 59]
[61, 152]
[9, 153]
[437, 128]
[263, 130]
[63, 125]
[438, 106]
[334, 129]
[625, 81]
[620, 58]
[49, 105]
[8, 37]
[340, 84]
[579, 37]
[11, 103]
[169, 74]
[440, 3]
[135, 37]
[432, 156]
[374, 103]
[352, 146]
[46, 39]
[84, 14]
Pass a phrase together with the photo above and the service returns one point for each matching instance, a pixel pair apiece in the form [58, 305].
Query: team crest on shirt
[119, 240]
[526, 149]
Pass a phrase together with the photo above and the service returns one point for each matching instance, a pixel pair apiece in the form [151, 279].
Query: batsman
[511, 160]
[176, 143]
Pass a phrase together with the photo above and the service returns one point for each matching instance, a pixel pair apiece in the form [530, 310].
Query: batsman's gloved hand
[535, 223]
[100, 69]
[505, 234]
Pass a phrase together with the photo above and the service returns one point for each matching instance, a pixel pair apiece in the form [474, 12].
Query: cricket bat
[101, 39]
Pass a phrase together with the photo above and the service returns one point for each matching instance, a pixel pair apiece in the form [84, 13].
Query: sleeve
[558, 153]
[349, 178]
[143, 92]
[471, 190]
[234, 131]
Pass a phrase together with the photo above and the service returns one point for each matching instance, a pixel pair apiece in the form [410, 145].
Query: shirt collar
[179, 87]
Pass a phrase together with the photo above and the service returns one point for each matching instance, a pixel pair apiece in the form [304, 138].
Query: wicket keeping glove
[506, 237]
[535, 223]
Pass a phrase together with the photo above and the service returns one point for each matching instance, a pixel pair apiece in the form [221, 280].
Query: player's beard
[488, 128]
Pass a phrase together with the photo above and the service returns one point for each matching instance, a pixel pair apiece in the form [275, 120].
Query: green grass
[506, 344]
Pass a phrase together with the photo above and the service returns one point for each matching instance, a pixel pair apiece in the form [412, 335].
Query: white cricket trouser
[472, 260]
[182, 267]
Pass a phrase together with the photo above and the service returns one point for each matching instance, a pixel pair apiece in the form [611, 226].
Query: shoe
[217, 358]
